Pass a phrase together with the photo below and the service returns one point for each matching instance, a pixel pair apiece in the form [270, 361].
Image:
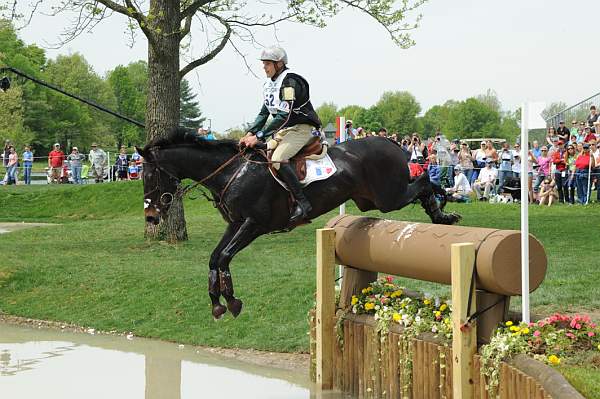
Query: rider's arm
[260, 120]
[301, 96]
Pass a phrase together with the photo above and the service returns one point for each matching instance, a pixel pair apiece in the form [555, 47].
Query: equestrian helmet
[274, 53]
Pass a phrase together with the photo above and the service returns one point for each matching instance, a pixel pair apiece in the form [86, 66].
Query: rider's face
[269, 67]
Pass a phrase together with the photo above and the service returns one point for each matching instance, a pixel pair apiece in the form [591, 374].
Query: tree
[353, 112]
[167, 25]
[471, 119]
[436, 118]
[490, 98]
[129, 86]
[553, 109]
[11, 119]
[327, 113]
[189, 110]
[398, 111]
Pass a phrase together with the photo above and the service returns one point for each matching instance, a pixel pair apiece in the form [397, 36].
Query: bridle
[182, 191]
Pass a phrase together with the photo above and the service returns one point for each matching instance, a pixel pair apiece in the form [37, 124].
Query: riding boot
[302, 207]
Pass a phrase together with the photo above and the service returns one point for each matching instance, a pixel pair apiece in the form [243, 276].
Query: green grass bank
[95, 269]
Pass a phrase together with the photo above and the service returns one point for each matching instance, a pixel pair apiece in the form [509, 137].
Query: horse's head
[160, 187]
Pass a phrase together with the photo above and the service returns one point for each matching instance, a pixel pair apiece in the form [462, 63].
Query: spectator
[394, 137]
[573, 141]
[454, 151]
[595, 151]
[543, 162]
[5, 154]
[76, 159]
[490, 152]
[136, 157]
[573, 129]
[98, 162]
[417, 149]
[560, 170]
[480, 158]
[27, 164]
[571, 183]
[486, 181]
[550, 136]
[461, 189]
[506, 163]
[133, 171]
[382, 132]
[434, 170]
[547, 192]
[11, 166]
[589, 136]
[580, 134]
[415, 167]
[563, 132]
[516, 166]
[55, 163]
[210, 135]
[122, 164]
[583, 163]
[536, 150]
[465, 160]
[592, 117]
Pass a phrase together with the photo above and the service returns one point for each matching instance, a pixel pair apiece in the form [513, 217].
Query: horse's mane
[182, 136]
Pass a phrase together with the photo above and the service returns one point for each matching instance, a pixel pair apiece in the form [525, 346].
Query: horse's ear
[140, 151]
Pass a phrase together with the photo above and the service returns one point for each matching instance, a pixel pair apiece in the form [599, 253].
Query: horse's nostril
[149, 219]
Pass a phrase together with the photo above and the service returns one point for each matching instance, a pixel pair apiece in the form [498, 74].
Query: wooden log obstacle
[480, 263]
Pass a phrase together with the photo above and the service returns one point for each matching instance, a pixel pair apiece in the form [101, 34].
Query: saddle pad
[316, 169]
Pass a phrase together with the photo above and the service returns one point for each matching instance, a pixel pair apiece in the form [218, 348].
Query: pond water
[45, 363]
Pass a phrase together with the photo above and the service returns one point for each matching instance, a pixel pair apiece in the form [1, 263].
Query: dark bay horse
[373, 172]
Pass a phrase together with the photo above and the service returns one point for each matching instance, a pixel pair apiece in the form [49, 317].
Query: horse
[373, 172]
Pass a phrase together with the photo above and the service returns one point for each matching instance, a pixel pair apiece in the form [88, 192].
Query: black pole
[83, 100]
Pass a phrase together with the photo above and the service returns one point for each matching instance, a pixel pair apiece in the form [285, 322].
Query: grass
[96, 270]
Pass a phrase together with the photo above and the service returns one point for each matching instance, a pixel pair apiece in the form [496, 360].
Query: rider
[286, 98]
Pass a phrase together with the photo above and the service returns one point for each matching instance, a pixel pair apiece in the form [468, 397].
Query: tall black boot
[303, 207]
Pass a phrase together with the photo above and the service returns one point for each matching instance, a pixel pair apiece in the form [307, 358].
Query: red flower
[389, 279]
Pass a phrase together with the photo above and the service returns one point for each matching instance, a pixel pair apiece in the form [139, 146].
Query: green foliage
[554, 108]
[11, 119]
[472, 118]
[129, 85]
[435, 119]
[327, 113]
[398, 111]
[189, 111]
[490, 98]
[355, 113]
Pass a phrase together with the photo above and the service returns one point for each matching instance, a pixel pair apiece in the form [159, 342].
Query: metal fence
[578, 112]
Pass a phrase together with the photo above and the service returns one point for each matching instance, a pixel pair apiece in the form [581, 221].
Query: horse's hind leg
[430, 204]
[214, 284]
[247, 233]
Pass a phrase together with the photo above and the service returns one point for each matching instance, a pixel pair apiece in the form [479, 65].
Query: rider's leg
[293, 139]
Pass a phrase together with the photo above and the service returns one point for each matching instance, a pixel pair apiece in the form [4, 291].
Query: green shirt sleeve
[260, 120]
[276, 123]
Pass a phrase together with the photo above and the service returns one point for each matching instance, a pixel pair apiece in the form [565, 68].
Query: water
[42, 363]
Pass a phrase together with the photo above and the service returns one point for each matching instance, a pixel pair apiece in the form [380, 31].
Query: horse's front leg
[214, 284]
[247, 233]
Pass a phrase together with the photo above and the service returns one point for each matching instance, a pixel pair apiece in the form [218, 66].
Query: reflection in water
[51, 364]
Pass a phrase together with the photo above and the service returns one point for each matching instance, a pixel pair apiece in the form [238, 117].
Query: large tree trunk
[162, 111]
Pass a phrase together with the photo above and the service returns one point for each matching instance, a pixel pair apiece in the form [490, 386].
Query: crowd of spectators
[71, 168]
[564, 169]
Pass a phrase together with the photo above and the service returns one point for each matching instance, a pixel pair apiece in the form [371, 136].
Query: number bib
[271, 90]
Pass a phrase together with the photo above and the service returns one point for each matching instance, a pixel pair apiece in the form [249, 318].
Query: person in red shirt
[589, 135]
[55, 163]
[560, 171]
[583, 163]
[416, 169]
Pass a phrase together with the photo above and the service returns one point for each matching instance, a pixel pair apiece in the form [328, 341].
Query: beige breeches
[288, 142]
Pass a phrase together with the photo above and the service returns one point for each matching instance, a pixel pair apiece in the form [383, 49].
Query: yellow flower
[396, 293]
[447, 320]
[354, 300]
[525, 330]
[427, 301]
[553, 359]
[396, 317]
[509, 323]
[599, 347]
[369, 306]
[364, 291]
[438, 314]
[443, 307]
[514, 328]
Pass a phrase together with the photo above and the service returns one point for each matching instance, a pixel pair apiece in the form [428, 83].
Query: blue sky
[533, 50]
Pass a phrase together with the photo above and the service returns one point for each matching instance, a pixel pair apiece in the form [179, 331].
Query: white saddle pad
[316, 169]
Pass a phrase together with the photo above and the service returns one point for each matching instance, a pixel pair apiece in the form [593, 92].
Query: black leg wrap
[226, 284]
[214, 286]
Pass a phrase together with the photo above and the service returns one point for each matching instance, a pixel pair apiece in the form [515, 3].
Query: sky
[533, 50]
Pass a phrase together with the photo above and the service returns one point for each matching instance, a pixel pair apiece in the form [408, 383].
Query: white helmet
[274, 53]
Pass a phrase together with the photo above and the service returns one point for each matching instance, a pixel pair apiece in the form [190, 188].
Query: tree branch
[194, 6]
[213, 53]
[131, 11]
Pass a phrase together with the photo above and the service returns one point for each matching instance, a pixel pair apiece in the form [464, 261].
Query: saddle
[315, 149]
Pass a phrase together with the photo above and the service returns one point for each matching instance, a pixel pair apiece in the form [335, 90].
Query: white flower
[417, 319]
[434, 329]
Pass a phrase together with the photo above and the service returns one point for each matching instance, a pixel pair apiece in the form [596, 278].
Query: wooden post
[325, 306]
[464, 341]
[354, 281]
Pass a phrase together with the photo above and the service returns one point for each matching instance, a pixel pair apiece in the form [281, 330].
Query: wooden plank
[418, 369]
[354, 280]
[368, 361]
[376, 364]
[426, 370]
[338, 361]
[325, 306]
[346, 365]
[360, 348]
[394, 369]
[464, 343]
[351, 358]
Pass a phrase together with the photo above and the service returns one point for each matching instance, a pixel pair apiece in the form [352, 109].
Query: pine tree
[190, 115]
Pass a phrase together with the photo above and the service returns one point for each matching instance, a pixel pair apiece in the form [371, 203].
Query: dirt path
[10, 227]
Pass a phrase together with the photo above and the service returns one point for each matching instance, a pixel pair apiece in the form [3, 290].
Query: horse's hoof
[218, 311]
[235, 306]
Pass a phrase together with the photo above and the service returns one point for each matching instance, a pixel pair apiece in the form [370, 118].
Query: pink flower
[570, 335]
[591, 334]
[578, 326]
[389, 279]
[537, 333]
